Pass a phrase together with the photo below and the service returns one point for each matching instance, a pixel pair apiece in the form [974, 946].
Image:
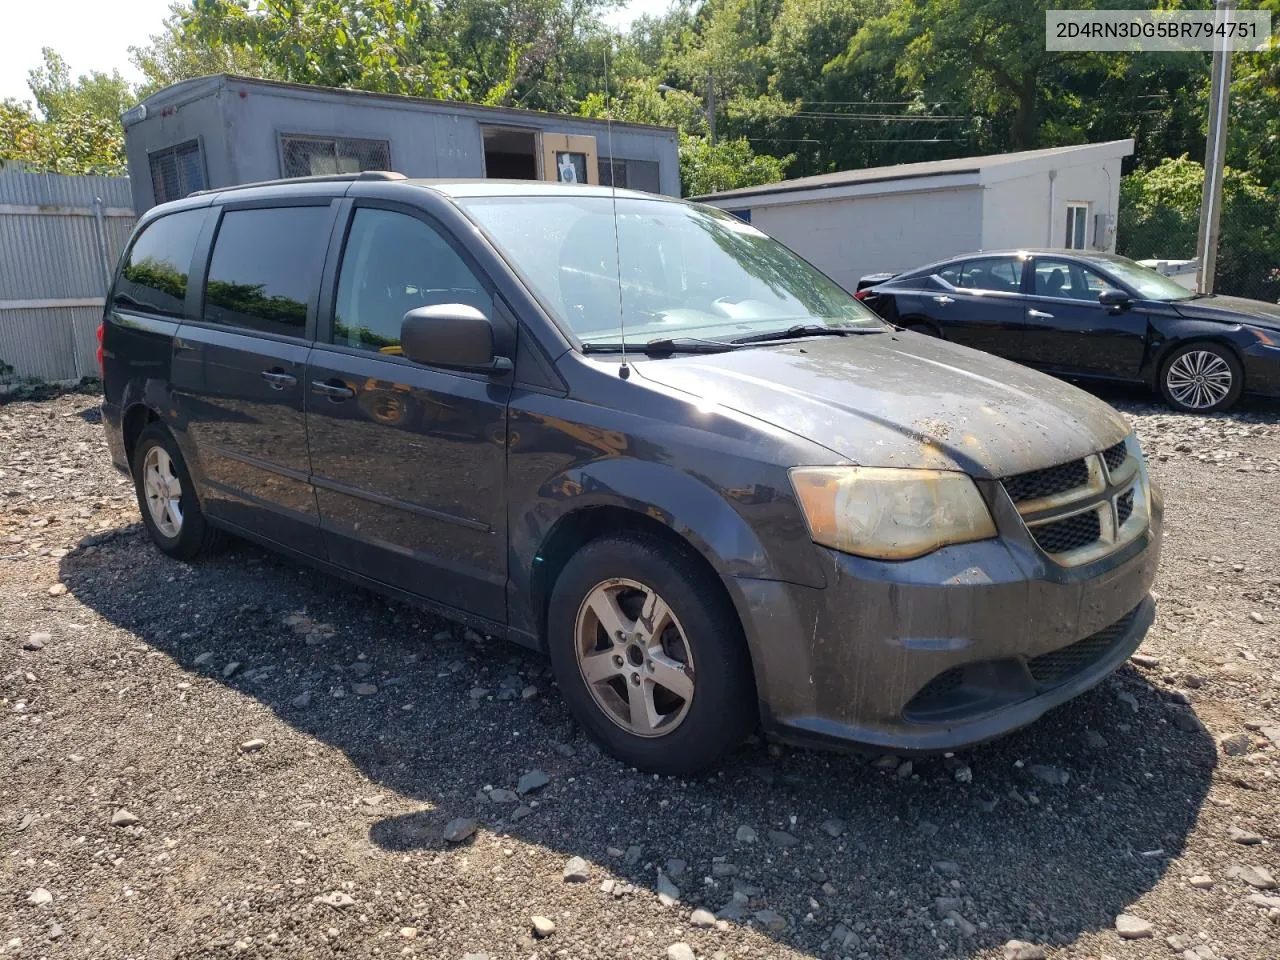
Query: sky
[97, 34]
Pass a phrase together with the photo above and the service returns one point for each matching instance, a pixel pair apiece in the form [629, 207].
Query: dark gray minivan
[639, 435]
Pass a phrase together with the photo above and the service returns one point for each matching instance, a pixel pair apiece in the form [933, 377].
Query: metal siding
[55, 256]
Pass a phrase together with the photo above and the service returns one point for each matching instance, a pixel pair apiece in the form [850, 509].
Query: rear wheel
[649, 655]
[1201, 378]
[170, 511]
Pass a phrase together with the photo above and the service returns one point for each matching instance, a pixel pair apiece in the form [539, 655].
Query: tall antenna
[624, 371]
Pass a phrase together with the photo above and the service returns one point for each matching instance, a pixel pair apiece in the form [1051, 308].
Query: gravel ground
[241, 756]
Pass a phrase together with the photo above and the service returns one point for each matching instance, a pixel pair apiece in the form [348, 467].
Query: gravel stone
[252, 746]
[455, 831]
[771, 920]
[702, 918]
[745, 834]
[1201, 882]
[36, 641]
[1236, 745]
[1047, 773]
[668, 892]
[1259, 878]
[1133, 928]
[543, 927]
[576, 870]
[680, 951]
[1021, 950]
[338, 900]
[833, 827]
[40, 897]
[532, 781]
[781, 838]
[123, 818]
[1243, 837]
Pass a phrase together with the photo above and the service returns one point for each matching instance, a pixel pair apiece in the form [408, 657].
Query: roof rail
[321, 178]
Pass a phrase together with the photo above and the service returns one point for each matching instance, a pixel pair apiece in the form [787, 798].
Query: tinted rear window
[153, 277]
[266, 268]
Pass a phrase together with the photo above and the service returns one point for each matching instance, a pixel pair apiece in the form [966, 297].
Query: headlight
[890, 514]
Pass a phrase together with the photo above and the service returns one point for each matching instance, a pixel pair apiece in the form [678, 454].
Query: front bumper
[945, 651]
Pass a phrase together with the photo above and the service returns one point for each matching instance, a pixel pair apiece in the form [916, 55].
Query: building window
[176, 171]
[613, 173]
[1077, 230]
[319, 156]
[633, 174]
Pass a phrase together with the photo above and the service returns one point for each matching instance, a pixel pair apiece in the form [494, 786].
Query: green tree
[726, 165]
[94, 94]
[74, 144]
[1160, 215]
[180, 53]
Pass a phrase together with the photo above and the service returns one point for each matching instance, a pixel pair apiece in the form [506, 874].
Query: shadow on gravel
[922, 865]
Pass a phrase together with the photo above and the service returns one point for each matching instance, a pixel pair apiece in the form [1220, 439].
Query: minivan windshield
[674, 270]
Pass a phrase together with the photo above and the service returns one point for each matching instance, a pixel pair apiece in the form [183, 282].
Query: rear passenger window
[153, 277]
[993, 273]
[266, 267]
[393, 263]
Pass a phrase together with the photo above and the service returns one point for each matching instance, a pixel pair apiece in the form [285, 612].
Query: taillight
[860, 295]
[102, 367]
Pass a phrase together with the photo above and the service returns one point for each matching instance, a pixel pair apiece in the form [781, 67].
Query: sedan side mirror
[453, 335]
[1114, 299]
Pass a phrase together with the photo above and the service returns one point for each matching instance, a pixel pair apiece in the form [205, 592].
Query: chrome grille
[1115, 456]
[1070, 533]
[1124, 507]
[1036, 484]
[1075, 511]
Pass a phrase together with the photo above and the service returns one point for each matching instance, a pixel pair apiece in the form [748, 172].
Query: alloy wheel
[163, 491]
[635, 657]
[1199, 379]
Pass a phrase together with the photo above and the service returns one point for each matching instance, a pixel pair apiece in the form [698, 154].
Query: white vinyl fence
[59, 240]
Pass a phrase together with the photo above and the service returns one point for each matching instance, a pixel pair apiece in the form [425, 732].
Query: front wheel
[1201, 378]
[167, 498]
[649, 655]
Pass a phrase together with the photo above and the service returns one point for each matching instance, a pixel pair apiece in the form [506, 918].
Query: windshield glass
[685, 271]
[1145, 282]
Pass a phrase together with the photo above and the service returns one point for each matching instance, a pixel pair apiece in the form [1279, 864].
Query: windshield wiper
[805, 330]
[664, 346]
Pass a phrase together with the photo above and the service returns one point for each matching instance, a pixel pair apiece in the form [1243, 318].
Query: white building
[857, 222]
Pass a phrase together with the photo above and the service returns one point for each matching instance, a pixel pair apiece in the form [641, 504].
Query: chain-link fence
[1160, 218]
[315, 156]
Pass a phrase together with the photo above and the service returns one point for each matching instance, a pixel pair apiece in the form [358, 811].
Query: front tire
[649, 655]
[1201, 378]
[166, 496]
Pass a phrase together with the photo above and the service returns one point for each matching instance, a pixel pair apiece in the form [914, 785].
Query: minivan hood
[1258, 313]
[902, 400]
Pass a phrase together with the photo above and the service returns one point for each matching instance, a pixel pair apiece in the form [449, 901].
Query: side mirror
[454, 335]
[1114, 299]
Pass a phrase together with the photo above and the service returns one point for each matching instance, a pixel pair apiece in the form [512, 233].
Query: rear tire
[671, 688]
[1201, 377]
[167, 498]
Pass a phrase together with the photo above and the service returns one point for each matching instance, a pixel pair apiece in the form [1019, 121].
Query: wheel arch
[1176, 340]
[135, 419]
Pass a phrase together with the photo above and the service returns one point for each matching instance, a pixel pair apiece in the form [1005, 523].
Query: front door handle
[333, 389]
[1039, 315]
[278, 378]
[943, 300]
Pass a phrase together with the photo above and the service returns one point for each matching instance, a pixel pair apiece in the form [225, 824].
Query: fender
[1168, 332]
[686, 505]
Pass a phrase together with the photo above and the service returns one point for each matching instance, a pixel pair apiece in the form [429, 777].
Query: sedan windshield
[671, 270]
[1145, 282]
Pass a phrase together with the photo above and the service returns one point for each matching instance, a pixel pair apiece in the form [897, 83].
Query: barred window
[613, 173]
[177, 171]
[317, 156]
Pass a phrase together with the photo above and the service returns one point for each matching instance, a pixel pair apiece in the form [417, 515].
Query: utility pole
[711, 107]
[1215, 154]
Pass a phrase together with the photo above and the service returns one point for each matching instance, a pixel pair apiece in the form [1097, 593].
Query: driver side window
[1067, 280]
[393, 263]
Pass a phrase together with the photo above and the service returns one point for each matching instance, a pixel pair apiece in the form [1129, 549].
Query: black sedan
[1093, 315]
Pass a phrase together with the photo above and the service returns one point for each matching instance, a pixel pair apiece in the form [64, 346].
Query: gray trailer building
[222, 130]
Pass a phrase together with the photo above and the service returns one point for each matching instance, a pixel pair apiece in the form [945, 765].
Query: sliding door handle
[278, 378]
[333, 389]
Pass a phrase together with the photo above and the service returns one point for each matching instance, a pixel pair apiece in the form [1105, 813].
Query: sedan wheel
[1202, 378]
[634, 657]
